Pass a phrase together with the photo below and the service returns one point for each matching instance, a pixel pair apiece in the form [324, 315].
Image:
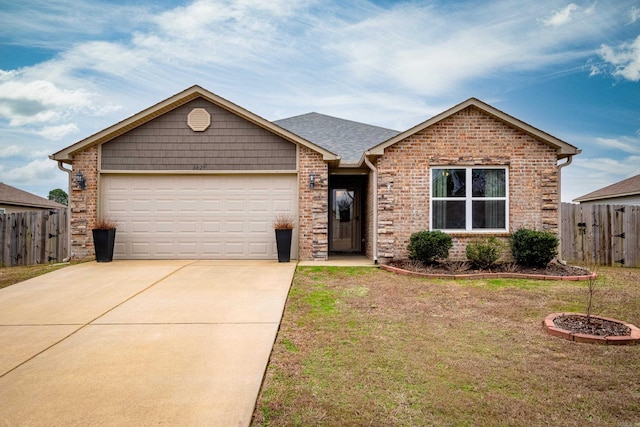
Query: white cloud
[103, 57]
[38, 101]
[10, 151]
[634, 14]
[38, 171]
[627, 144]
[56, 133]
[562, 16]
[624, 59]
[38, 176]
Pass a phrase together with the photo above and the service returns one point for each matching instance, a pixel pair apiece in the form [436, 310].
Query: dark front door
[345, 228]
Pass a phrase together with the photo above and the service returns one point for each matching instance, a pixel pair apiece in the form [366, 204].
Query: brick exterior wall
[84, 204]
[467, 138]
[313, 206]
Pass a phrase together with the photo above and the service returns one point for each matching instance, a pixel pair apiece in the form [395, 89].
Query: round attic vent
[199, 119]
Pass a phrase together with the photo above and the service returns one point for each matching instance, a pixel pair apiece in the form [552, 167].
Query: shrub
[483, 253]
[426, 246]
[533, 248]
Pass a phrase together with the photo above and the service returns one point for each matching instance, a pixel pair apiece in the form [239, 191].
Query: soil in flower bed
[461, 267]
[578, 324]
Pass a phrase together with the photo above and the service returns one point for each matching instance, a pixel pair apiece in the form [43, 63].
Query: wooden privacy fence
[601, 234]
[37, 237]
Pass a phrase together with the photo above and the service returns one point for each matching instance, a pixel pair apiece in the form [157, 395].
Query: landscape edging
[553, 330]
[475, 276]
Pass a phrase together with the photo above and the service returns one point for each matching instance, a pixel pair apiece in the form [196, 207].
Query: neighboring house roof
[626, 187]
[66, 154]
[563, 149]
[12, 196]
[346, 138]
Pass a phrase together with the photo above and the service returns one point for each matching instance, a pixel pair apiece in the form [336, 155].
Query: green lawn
[360, 346]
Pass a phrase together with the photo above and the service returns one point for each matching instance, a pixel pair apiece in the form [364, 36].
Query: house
[196, 176]
[15, 200]
[625, 192]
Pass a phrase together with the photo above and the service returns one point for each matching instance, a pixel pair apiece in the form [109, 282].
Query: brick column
[313, 205]
[84, 204]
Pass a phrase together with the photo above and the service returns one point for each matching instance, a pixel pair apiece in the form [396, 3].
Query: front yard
[12, 275]
[360, 346]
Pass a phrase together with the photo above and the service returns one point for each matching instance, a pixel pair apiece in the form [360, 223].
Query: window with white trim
[469, 198]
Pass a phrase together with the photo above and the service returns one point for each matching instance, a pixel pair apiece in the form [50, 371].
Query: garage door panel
[258, 226]
[211, 206]
[195, 216]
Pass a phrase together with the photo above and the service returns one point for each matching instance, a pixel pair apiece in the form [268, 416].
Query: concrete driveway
[139, 342]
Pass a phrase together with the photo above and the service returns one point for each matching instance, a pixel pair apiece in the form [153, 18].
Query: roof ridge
[334, 118]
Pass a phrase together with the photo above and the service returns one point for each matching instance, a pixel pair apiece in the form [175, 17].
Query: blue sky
[572, 69]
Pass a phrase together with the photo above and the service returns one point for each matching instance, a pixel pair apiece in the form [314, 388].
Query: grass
[13, 275]
[360, 346]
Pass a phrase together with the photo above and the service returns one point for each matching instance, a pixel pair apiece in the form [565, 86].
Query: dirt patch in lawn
[362, 346]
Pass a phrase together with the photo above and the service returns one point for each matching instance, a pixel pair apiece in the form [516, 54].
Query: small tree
[593, 285]
[58, 195]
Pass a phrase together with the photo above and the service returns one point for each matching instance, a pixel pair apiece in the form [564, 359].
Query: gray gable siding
[167, 143]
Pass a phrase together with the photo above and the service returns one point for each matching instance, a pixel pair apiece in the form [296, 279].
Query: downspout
[374, 220]
[560, 166]
[69, 172]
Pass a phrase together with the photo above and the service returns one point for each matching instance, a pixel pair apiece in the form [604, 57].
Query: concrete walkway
[139, 342]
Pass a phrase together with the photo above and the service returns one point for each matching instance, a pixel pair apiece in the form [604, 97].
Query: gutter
[69, 172]
[560, 166]
[375, 206]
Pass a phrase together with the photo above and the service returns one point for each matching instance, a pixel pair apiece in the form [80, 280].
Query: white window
[469, 199]
[2, 211]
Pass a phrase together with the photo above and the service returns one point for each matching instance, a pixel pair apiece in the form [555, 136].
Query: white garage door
[197, 216]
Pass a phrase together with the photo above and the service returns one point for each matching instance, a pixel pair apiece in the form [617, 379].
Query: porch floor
[342, 261]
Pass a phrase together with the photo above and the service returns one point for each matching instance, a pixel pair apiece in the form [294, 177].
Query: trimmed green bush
[533, 248]
[426, 246]
[483, 253]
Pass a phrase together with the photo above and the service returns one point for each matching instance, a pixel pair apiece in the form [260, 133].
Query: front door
[344, 220]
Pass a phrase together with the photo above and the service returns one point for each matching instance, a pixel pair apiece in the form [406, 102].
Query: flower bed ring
[552, 329]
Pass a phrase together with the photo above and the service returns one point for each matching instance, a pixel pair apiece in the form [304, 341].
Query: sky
[571, 69]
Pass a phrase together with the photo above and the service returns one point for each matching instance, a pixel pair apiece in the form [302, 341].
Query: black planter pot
[283, 242]
[103, 241]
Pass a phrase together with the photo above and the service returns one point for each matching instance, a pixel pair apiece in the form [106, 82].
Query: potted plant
[104, 236]
[284, 225]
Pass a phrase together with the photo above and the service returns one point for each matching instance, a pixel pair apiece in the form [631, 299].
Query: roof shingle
[12, 196]
[346, 138]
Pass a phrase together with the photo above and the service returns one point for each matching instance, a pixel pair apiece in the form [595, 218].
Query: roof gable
[66, 154]
[626, 187]
[13, 196]
[347, 138]
[562, 148]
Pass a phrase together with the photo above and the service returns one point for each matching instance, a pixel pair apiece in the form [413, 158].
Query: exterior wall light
[80, 180]
[312, 180]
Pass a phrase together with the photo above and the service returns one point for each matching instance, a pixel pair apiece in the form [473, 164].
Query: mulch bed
[579, 324]
[461, 267]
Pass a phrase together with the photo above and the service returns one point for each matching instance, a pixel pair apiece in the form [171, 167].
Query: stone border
[553, 330]
[473, 276]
